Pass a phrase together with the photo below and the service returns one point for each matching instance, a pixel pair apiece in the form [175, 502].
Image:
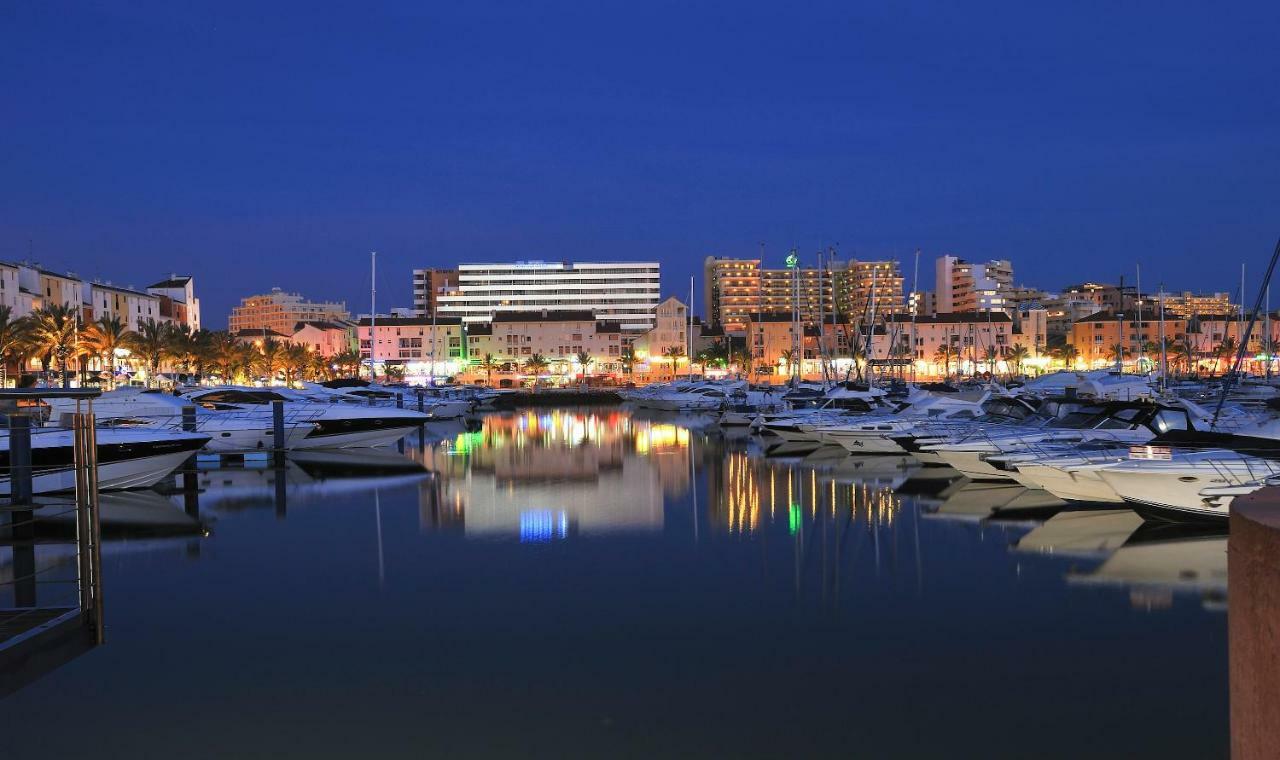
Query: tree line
[59, 339]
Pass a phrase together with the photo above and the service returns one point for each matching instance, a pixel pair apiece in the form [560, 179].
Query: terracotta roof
[548, 315]
[412, 321]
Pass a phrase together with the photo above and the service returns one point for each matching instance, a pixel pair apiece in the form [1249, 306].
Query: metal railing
[39, 599]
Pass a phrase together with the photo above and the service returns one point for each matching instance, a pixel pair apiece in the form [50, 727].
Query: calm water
[600, 583]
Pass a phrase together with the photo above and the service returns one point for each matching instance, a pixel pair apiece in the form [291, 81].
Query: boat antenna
[1244, 339]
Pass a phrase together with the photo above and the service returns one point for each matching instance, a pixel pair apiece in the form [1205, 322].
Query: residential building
[622, 292]
[923, 303]
[48, 288]
[11, 293]
[670, 332]
[969, 338]
[772, 341]
[736, 289]
[1096, 337]
[1187, 304]
[178, 301]
[863, 284]
[731, 291]
[132, 307]
[423, 349]
[512, 338]
[280, 311]
[1065, 310]
[1112, 298]
[966, 286]
[428, 284]
[327, 339]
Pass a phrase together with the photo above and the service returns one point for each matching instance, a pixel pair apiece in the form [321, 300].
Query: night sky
[275, 144]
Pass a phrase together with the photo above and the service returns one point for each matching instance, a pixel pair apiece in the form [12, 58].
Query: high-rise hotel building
[615, 291]
[735, 289]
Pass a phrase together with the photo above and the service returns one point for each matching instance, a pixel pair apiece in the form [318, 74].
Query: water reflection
[551, 475]
[725, 576]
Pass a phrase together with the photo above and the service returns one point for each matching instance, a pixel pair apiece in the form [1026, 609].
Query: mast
[835, 333]
[1164, 350]
[373, 309]
[915, 308]
[688, 332]
[432, 380]
[1138, 303]
[1267, 323]
[796, 338]
[1226, 383]
[871, 329]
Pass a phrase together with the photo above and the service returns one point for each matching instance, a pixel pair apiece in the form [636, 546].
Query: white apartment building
[132, 307]
[966, 286]
[623, 292]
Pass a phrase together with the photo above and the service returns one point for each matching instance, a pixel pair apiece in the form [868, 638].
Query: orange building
[1095, 337]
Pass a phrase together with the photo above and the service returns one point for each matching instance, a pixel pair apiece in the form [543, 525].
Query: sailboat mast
[1140, 333]
[688, 333]
[1164, 351]
[373, 309]
[915, 308]
[871, 329]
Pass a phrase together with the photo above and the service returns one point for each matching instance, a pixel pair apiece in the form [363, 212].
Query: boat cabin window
[238, 397]
[1171, 419]
[1081, 418]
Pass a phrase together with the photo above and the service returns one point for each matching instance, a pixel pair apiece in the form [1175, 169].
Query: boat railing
[50, 595]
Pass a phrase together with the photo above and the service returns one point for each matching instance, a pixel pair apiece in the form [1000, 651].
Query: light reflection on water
[672, 579]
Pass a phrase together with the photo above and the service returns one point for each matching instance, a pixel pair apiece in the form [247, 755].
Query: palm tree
[294, 358]
[225, 353]
[673, 353]
[488, 363]
[53, 331]
[104, 338]
[348, 362]
[584, 361]
[318, 368]
[1116, 353]
[270, 358]
[154, 343]
[1226, 350]
[1018, 354]
[944, 354]
[536, 365]
[1183, 354]
[628, 359]
[12, 340]
[991, 354]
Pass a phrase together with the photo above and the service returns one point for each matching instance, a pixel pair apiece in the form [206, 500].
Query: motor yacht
[1113, 422]
[127, 457]
[228, 431]
[335, 425]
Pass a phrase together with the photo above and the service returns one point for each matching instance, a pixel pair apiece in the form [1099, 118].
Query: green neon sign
[793, 260]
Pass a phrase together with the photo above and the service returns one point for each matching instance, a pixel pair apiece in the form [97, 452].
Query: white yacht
[1114, 422]
[127, 457]
[335, 425]
[228, 431]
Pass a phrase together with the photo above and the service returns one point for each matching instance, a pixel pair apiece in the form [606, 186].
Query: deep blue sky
[260, 144]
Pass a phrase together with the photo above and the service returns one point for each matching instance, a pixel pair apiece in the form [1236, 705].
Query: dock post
[22, 520]
[399, 400]
[277, 431]
[189, 419]
[422, 405]
[88, 521]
